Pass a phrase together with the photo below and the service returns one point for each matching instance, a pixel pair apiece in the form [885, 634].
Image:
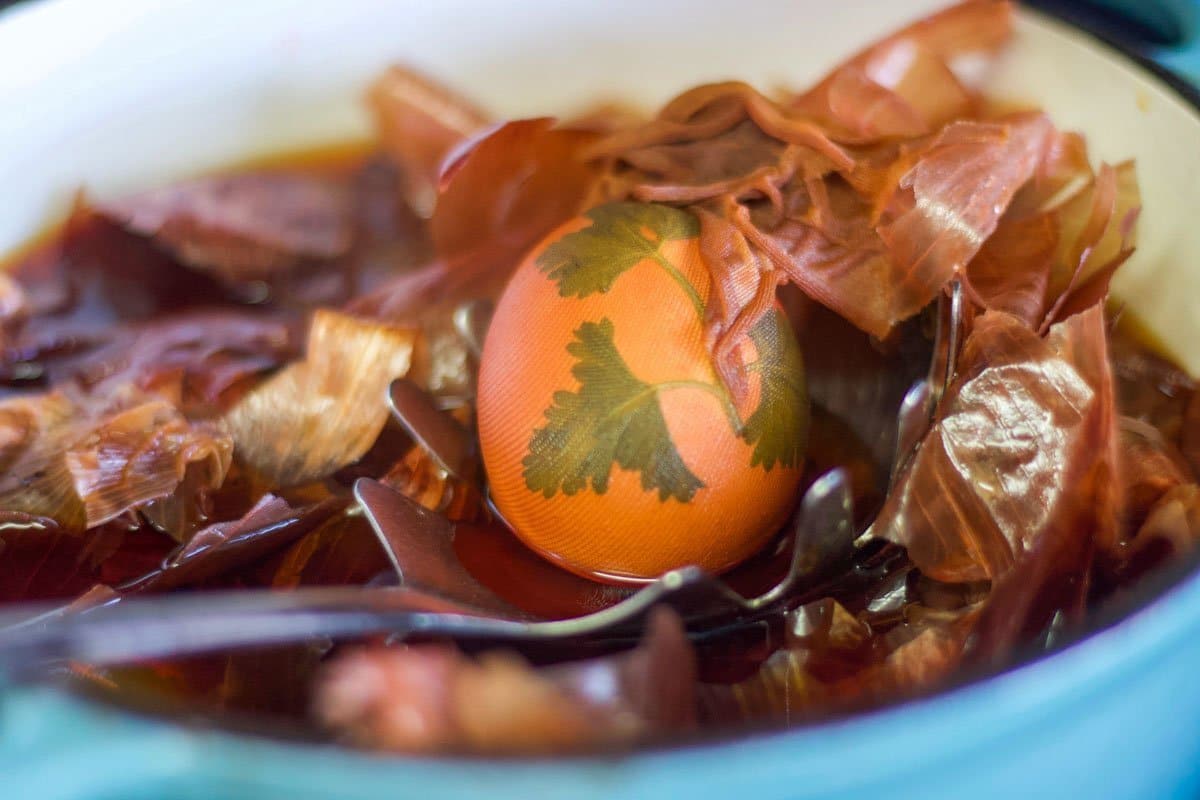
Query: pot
[122, 94]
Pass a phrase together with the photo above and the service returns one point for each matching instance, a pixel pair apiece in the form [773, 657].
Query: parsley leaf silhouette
[778, 428]
[590, 260]
[612, 418]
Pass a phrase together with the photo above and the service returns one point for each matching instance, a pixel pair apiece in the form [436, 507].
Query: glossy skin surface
[611, 446]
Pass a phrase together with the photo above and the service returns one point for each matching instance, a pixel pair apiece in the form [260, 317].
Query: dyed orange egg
[610, 445]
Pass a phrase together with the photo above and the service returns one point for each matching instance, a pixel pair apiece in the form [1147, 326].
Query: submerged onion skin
[611, 446]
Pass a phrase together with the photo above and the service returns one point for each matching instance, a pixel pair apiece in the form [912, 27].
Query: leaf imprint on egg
[590, 260]
[612, 418]
[778, 428]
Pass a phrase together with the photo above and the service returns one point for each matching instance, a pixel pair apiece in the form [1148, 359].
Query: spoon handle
[130, 630]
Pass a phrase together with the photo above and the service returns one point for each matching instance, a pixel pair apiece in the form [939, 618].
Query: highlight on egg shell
[611, 446]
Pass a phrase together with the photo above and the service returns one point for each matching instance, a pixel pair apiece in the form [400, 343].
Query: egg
[610, 444]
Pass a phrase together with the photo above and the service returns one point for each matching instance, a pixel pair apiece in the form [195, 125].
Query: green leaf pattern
[616, 418]
[778, 428]
[590, 260]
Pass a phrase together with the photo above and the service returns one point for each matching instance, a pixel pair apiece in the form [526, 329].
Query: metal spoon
[919, 408]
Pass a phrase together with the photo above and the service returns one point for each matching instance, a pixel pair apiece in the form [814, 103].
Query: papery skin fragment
[420, 122]
[318, 415]
[874, 235]
[84, 461]
[142, 454]
[245, 227]
[432, 698]
[992, 474]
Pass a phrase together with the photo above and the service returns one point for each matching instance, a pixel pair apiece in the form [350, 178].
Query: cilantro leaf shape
[613, 418]
[622, 234]
[778, 428]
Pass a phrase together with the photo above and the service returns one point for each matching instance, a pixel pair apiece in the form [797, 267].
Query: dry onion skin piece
[271, 524]
[320, 414]
[82, 464]
[431, 698]
[1171, 528]
[1024, 416]
[202, 357]
[879, 186]
[141, 454]
[950, 201]
[1097, 233]
[420, 122]
[833, 661]
[198, 359]
[1053, 256]
[242, 228]
[504, 190]
[36, 481]
[1051, 580]
[876, 267]
[911, 82]
[1149, 467]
